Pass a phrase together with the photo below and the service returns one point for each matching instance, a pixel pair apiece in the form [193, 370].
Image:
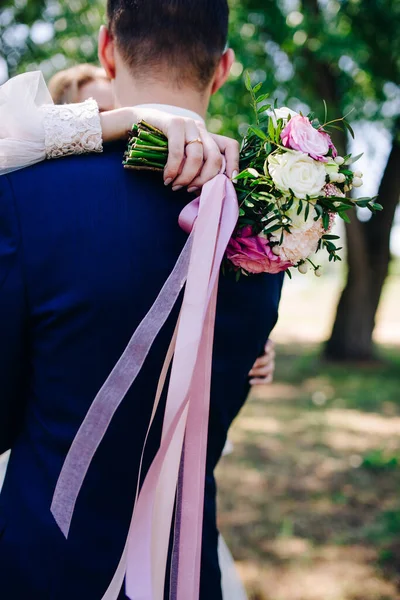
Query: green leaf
[345, 217]
[262, 109]
[377, 206]
[270, 220]
[325, 220]
[262, 98]
[271, 129]
[307, 211]
[337, 127]
[319, 209]
[363, 203]
[267, 148]
[349, 128]
[300, 208]
[350, 160]
[325, 110]
[257, 88]
[273, 228]
[259, 133]
[289, 204]
[247, 81]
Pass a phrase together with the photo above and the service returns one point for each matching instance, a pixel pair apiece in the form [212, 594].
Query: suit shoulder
[66, 167]
[70, 178]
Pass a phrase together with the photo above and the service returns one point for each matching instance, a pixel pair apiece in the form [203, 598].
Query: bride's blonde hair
[64, 86]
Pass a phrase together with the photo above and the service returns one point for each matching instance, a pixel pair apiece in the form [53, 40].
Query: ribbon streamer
[143, 563]
[110, 396]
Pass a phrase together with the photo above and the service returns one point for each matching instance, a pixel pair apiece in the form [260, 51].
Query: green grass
[370, 387]
[309, 500]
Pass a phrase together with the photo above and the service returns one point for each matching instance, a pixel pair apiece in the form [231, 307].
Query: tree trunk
[368, 244]
[368, 262]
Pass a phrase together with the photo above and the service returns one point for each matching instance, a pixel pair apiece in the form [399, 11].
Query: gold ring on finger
[196, 141]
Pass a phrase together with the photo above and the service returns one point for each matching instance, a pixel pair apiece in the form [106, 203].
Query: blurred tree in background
[344, 51]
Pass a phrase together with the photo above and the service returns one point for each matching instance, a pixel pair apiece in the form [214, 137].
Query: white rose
[298, 172]
[281, 113]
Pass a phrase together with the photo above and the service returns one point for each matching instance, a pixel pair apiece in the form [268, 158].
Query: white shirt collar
[174, 110]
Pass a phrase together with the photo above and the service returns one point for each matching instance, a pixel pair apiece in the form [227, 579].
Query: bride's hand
[189, 164]
[263, 369]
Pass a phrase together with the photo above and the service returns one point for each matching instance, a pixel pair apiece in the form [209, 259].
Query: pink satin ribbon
[213, 219]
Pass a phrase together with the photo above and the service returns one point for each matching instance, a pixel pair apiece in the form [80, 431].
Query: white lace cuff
[33, 129]
[72, 129]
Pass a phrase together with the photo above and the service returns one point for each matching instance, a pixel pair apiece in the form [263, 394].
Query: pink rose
[253, 253]
[300, 135]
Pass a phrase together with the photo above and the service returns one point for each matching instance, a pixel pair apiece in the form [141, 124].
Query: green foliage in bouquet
[288, 194]
[257, 193]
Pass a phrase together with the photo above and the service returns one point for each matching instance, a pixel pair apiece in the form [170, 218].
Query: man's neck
[129, 92]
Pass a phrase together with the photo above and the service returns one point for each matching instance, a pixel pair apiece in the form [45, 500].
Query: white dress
[33, 129]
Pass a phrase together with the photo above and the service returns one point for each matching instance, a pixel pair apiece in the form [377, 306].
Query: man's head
[179, 41]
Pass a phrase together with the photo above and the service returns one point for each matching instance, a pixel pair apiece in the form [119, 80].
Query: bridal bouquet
[291, 187]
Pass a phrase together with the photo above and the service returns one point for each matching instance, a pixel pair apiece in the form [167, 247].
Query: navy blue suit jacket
[84, 250]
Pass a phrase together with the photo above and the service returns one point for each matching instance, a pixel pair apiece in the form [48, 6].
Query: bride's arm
[32, 129]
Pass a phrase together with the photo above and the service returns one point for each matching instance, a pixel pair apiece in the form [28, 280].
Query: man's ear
[223, 70]
[106, 51]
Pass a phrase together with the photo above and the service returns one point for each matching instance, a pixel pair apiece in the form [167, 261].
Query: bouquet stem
[147, 148]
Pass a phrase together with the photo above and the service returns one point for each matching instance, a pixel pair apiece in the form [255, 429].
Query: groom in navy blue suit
[84, 249]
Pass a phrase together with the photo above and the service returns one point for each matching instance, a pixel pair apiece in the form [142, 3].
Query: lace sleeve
[32, 128]
[72, 129]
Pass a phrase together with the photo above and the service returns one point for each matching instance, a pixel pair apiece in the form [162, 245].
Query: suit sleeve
[13, 321]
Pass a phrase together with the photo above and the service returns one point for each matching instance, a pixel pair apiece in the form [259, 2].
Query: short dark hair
[187, 37]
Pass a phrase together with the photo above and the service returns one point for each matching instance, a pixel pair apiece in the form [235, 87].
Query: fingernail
[234, 175]
[168, 181]
[192, 189]
[177, 187]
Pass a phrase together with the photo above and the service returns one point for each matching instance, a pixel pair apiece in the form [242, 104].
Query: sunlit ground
[309, 499]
